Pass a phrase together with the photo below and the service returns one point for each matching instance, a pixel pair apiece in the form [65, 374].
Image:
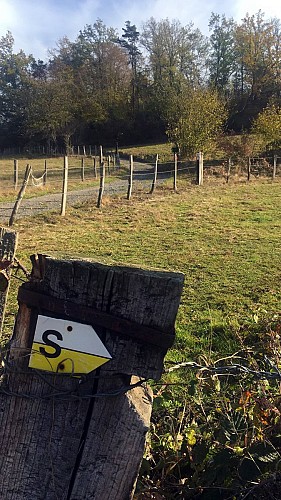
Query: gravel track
[143, 175]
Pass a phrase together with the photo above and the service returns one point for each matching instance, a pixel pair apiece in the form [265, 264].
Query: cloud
[270, 8]
[38, 24]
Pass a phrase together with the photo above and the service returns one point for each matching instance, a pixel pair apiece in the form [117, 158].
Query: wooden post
[154, 175]
[78, 150]
[228, 169]
[175, 171]
[82, 169]
[95, 167]
[45, 173]
[108, 163]
[20, 195]
[8, 246]
[16, 173]
[84, 150]
[101, 189]
[274, 167]
[101, 155]
[249, 168]
[200, 169]
[64, 186]
[68, 438]
[130, 178]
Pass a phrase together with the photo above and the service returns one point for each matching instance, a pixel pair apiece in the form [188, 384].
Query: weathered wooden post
[45, 175]
[274, 167]
[200, 169]
[101, 155]
[154, 180]
[249, 168]
[228, 169]
[175, 171]
[130, 178]
[67, 437]
[82, 169]
[101, 189]
[20, 195]
[16, 173]
[95, 167]
[64, 186]
[8, 246]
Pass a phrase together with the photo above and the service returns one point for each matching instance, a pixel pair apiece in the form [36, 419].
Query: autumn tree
[174, 50]
[268, 126]
[194, 119]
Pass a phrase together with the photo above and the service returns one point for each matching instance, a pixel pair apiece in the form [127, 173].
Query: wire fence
[90, 176]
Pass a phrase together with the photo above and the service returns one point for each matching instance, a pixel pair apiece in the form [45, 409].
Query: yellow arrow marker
[66, 347]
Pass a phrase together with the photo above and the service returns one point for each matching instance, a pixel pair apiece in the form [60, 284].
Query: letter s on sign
[45, 338]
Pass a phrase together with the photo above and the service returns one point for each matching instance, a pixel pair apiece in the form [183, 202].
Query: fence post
[200, 169]
[45, 173]
[101, 155]
[228, 169]
[64, 186]
[101, 189]
[82, 169]
[8, 246]
[84, 150]
[84, 438]
[130, 178]
[249, 168]
[274, 167]
[154, 175]
[20, 195]
[175, 171]
[95, 167]
[16, 173]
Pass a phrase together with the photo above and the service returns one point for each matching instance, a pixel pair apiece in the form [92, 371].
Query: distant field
[226, 239]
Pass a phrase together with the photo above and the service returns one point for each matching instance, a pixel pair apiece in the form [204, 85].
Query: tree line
[163, 80]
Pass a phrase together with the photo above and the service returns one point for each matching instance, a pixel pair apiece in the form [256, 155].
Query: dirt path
[142, 178]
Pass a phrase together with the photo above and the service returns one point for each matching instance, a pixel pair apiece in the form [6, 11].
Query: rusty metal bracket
[77, 312]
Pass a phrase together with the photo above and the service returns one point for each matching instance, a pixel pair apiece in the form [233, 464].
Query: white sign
[66, 346]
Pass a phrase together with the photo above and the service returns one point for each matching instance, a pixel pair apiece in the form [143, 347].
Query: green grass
[226, 239]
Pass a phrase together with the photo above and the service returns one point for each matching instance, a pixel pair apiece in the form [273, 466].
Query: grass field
[226, 239]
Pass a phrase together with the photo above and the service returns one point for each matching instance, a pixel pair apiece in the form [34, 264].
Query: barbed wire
[234, 369]
[9, 369]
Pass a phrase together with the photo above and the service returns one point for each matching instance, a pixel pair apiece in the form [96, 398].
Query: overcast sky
[38, 24]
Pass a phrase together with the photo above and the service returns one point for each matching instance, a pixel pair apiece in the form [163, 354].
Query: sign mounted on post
[64, 346]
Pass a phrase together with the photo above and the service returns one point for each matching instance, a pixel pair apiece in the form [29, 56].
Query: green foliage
[268, 126]
[194, 118]
[219, 436]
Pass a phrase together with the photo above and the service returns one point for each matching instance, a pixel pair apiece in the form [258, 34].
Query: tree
[221, 60]
[268, 126]
[174, 50]
[129, 41]
[14, 85]
[195, 117]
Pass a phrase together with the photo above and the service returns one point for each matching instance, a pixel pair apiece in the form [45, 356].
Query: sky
[37, 25]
